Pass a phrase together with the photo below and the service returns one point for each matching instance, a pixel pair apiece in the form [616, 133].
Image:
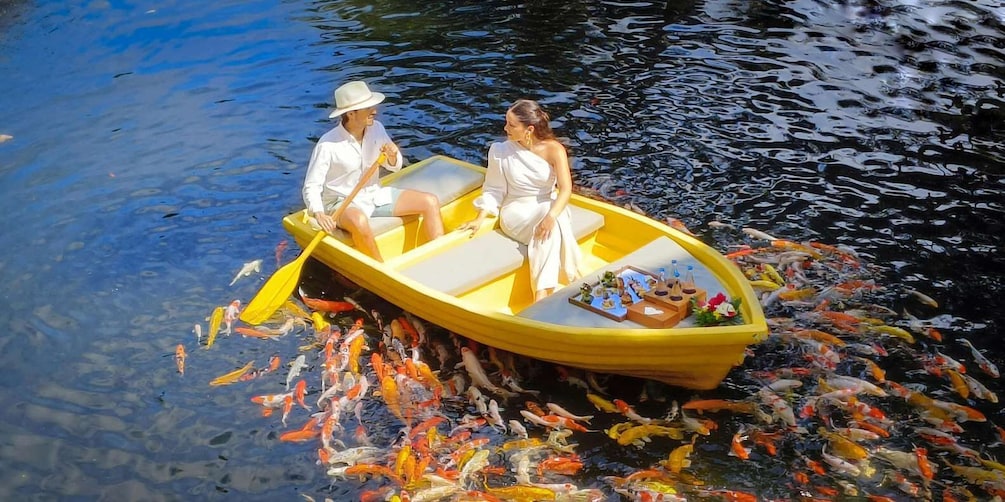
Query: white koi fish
[757, 234]
[478, 375]
[197, 329]
[494, 417]
[982, 362]
[719, 224]
[979, 390]
[780, 409]
[477, 399]
[558, 410]
[518, 429]
[840, 465]
[923, 298]
[254, 266]
[298, 365]
[850, 382]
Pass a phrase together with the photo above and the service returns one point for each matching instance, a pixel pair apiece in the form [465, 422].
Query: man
[340, 159]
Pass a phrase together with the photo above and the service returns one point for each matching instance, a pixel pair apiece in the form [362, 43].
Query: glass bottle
[688, 286]
[675, 292]
[661, 284]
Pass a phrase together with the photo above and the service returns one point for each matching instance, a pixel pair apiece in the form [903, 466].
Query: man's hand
[326, 222]
[391, 150]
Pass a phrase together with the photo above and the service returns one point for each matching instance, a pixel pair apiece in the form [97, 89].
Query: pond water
[154, 148]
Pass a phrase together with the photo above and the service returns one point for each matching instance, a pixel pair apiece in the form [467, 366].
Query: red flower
[715, 301]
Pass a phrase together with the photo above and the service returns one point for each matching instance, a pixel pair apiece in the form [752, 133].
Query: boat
[479, 286]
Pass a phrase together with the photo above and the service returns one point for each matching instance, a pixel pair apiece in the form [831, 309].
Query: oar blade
[273, 294]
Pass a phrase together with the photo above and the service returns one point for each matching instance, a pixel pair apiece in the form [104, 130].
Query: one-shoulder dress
[519, 187]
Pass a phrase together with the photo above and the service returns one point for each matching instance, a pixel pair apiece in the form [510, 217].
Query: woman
[520, 187]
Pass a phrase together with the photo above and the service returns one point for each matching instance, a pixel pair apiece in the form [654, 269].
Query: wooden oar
[280, 286]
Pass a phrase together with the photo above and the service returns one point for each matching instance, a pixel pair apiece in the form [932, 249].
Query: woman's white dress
[519, 187]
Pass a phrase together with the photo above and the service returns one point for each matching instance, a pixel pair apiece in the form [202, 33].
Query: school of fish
[847, 398]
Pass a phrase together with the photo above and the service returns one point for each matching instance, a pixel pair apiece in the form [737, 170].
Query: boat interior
[490, 269]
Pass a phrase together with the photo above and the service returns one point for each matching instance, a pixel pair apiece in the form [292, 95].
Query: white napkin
[651, 311]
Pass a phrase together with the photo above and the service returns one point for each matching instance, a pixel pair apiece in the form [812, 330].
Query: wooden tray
[659, 316]
[617, 310]
[682, 305]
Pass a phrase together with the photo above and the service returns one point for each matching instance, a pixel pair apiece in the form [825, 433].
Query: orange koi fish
[330, 306]
[179, 358]
[568, 465]
[306, 433]
[392, 397]
[714, 405]
[375, 470]
[233, 376]
[407, 327]
[299, 392]
[736, 447]
[255, 333]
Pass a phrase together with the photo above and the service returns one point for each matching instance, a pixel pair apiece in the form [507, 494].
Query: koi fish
[295, 368]
[254, 266]
[179, 358]
[215, 320]
[757, 234]
[628, 411]
[249, 332]
[330, 306]
[721, 225]
[280, 249]
[601, 404]
[679, 457]
[638, 435]
[306, 433]
[923, 298]
[233, 376]
[558, 410]
[792, 294]
[982, 362]
[736, 447]
[714, 405]
[478, 375]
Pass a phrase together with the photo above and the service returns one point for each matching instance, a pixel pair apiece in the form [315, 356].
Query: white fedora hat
[354, 95]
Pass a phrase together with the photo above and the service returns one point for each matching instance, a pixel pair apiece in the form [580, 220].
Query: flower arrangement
[717, 311]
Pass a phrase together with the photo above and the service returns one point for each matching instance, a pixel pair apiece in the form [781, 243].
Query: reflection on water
[156, 147]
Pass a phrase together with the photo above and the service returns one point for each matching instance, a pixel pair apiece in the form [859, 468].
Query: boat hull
[690, 357]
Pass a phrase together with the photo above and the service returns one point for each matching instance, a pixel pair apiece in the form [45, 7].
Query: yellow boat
[479, 287]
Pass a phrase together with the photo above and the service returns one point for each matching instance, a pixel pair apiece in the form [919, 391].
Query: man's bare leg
[424, 204]
[358, 226]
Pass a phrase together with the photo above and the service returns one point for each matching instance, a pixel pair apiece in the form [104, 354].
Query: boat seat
[657, 254]
[441, 177]
[485, 257]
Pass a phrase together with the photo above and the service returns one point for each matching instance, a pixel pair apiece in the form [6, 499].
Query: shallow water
[156, 147]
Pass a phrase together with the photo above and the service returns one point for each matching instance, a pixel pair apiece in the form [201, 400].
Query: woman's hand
[472, 226]
[544, 227]
[326, 222]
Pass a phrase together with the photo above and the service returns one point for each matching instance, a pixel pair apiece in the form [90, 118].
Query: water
[156, 147]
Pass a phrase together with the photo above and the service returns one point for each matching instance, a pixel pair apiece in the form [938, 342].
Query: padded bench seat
[656, 254]
[485, 257]
[441, 177]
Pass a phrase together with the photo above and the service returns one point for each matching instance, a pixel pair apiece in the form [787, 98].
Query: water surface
[156, 147]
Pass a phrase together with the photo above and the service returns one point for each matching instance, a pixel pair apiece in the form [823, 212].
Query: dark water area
[154, 149]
